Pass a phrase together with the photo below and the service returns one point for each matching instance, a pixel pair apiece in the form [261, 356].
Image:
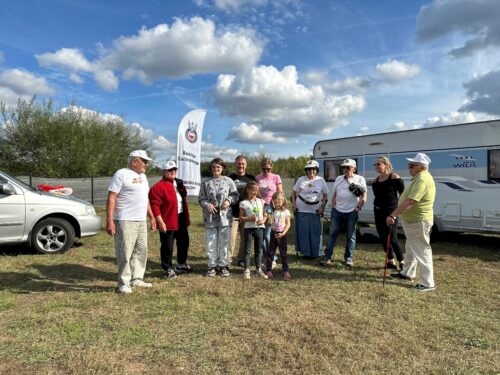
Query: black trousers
[167, 244]
[257, 235]
[281, 244]
[383, 231]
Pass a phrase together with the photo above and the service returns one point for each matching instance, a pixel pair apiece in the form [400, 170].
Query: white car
[49, 223]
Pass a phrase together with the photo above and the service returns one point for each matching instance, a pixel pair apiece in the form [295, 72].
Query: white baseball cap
[140, 154]
[420, 158]
[169, 165]
[312, 164]
[348, 163]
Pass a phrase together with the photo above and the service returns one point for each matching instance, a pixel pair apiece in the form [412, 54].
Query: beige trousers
[131, 250]
[418, 251]
[237, 228]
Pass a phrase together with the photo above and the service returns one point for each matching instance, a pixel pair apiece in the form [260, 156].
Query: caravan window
[333, 169]
[494, 164]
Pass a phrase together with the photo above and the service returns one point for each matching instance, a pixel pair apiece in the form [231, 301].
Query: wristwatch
[393, 217]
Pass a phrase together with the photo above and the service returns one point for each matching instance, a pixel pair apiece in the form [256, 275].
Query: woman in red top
[168, 199]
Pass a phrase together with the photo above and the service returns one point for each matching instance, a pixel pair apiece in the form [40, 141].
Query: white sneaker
[261, 273]
[124, 289]
[348, 262]
[246, 274]
[273, 265]
[141, 283]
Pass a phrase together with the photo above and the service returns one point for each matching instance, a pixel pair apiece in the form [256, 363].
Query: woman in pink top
[269, 183]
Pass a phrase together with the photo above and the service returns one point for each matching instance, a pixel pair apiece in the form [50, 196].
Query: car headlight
[90, 210]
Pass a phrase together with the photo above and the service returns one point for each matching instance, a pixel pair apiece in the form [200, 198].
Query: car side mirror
[8, 189]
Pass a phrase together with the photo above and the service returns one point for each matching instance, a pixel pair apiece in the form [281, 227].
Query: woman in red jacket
[168, 199]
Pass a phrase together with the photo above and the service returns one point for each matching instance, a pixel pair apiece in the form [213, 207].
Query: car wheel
[52, 236]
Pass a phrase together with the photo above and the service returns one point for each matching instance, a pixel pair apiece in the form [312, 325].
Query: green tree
[35, 138]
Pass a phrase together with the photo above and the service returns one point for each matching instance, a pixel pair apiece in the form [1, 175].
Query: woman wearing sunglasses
[387, 188]
[269, 183]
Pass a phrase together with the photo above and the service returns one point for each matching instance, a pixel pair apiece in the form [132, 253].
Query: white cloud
[395, 71]
[74, 61]
[354, 84]
[483, 93]
[210, 151]
[363, 130]
[477, 19]
[236, 5]
[17, 83]
[249, 133]
[69, 58]
[314, 77]
[401, 125]
[274, 101]
[75, 78]
[451, 119]
[186, 48]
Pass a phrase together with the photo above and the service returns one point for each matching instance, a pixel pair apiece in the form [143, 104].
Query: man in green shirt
[417, 218]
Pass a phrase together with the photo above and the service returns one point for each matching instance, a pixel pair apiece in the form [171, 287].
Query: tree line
[38, 139]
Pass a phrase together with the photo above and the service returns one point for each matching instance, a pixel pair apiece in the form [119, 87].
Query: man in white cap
[417, 217]
[126, 210]
[168, 199]
[349, 197]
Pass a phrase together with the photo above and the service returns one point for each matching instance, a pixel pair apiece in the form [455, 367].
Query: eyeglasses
[411, 165]
[376, 164]
[266, 169]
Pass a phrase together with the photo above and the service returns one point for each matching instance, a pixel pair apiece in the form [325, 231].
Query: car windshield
[17, 181]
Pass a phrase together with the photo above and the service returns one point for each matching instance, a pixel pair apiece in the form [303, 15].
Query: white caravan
[465, 166]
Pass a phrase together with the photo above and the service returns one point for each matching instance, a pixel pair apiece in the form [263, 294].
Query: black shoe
[170, 274]
[184, 268]
[401, 276]
[423, 288]
[392, 266]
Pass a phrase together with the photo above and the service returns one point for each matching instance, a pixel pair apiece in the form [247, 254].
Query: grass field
[60, 315]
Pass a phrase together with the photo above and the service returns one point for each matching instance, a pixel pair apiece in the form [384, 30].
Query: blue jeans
[350, 219]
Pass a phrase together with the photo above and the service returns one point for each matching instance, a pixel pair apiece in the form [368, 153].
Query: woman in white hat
[309, 198]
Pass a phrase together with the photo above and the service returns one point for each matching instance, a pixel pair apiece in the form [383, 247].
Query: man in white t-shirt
[126, 210]
[349, 196]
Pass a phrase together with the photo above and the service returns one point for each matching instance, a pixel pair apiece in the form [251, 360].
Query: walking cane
[387, 253]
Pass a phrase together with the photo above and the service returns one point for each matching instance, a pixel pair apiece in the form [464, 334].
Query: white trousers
[131, 250]
[418, 251]
[217, 244]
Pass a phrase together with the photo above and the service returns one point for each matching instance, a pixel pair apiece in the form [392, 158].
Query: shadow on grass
[25, 249]
[60, 277]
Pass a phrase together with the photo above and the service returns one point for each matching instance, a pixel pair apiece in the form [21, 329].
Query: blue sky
[274, 75]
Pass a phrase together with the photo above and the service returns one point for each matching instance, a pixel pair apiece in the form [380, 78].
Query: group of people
[255, 208]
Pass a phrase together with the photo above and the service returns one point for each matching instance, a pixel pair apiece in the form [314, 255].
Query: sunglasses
[172, 170]
[266, 169]
[411, 165]
[144, 161]
[346, 167]
[310, 169]
[376, 164]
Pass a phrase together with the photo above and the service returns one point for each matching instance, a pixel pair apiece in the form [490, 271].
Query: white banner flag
[189, 150]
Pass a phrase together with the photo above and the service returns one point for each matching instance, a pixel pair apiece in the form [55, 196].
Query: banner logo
[191, 134]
